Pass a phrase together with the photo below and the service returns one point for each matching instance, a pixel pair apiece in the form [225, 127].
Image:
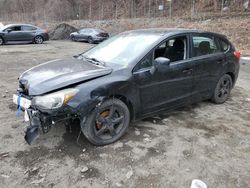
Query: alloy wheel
[38, 40]
[109, 122]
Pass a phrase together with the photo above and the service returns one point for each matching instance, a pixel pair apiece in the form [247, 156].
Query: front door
[169, 88]
[13, 33]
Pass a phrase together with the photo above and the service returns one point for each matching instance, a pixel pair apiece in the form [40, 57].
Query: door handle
[220, 61]
[188, 71]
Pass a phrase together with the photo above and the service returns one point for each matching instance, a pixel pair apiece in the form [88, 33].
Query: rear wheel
[38, 40]
[108, 123]
[223, 89]
[1, 41]
[90, 40]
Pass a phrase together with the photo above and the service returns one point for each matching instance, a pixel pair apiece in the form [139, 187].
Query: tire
[223, 89]
[108, 123]
[73, 38]
[38, 39]
[90, 40]
[1, 41]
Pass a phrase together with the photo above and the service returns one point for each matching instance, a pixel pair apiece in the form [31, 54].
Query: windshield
[4, 27]
[122, 49]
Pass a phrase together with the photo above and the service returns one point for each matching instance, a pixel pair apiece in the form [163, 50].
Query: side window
[14, 28]
[174, 49]
[146, 62]
[28, 28]
[82, 31]
[224, 45]
[204, 45]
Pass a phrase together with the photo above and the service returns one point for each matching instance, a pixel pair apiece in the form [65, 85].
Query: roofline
[167, 31]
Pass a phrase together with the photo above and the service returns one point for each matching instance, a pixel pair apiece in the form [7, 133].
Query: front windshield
[4, 27]
[122, 49]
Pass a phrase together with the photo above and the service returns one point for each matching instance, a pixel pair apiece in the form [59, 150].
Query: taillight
[237, 55]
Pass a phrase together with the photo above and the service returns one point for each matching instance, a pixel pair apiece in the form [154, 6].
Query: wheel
[73, 38]
[90, 40]
[107, 123]
[223, 89]
[38, 40]
[1, 41]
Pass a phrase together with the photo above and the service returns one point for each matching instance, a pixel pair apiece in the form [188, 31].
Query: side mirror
[160, 64]
[8, 30]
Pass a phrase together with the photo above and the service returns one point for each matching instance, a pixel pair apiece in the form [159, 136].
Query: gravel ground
[201, 141]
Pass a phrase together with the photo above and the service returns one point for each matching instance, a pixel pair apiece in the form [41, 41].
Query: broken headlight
[54, 100]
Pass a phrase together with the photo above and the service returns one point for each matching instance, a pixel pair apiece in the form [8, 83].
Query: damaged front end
[32, 132]
[44, 111]
[38, 123]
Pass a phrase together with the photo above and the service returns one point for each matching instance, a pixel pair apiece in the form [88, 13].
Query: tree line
[62, 10]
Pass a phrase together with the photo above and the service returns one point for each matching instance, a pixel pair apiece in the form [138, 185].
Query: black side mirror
[160, 64]
[8, 30]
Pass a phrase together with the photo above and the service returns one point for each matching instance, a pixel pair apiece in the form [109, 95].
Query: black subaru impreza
[130, 76]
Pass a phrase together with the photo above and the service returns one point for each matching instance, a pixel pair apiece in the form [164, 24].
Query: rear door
[208, 64]
[168, 89]
[28, 33]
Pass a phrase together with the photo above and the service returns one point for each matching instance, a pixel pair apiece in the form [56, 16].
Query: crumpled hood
[59, 73]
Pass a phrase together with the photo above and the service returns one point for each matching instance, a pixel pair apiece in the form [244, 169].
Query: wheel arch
[232, 76]
[126, 101]
[2, 38]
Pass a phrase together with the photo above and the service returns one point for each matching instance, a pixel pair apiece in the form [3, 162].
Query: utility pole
[170, 9]
[102, 10]
[149, 8]
[115, 9]
[222, 6]
[90, 9]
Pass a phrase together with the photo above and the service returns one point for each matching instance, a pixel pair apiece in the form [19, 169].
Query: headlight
[54, 100]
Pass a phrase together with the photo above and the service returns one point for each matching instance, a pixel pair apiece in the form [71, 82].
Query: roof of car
[171, 31]
[12, 25]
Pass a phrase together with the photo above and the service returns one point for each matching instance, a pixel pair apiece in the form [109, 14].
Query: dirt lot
[205, 141]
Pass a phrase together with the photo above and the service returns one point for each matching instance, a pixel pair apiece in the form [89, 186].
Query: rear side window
[204, 45]
[224, 45]
[28, 28]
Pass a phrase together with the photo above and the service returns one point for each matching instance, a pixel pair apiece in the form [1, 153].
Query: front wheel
[1, 41]
[73, 38]
[223, 89]
[38, 40]
[107, 123]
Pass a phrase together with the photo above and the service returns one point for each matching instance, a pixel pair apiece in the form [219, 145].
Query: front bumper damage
[38, 123]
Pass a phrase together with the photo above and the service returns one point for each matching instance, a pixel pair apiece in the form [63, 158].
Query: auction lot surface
[202, 141]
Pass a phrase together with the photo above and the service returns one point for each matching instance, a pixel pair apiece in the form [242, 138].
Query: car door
[28, 33]
[13, 33]
[83, 34]
[164, 89]
[209, 61]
